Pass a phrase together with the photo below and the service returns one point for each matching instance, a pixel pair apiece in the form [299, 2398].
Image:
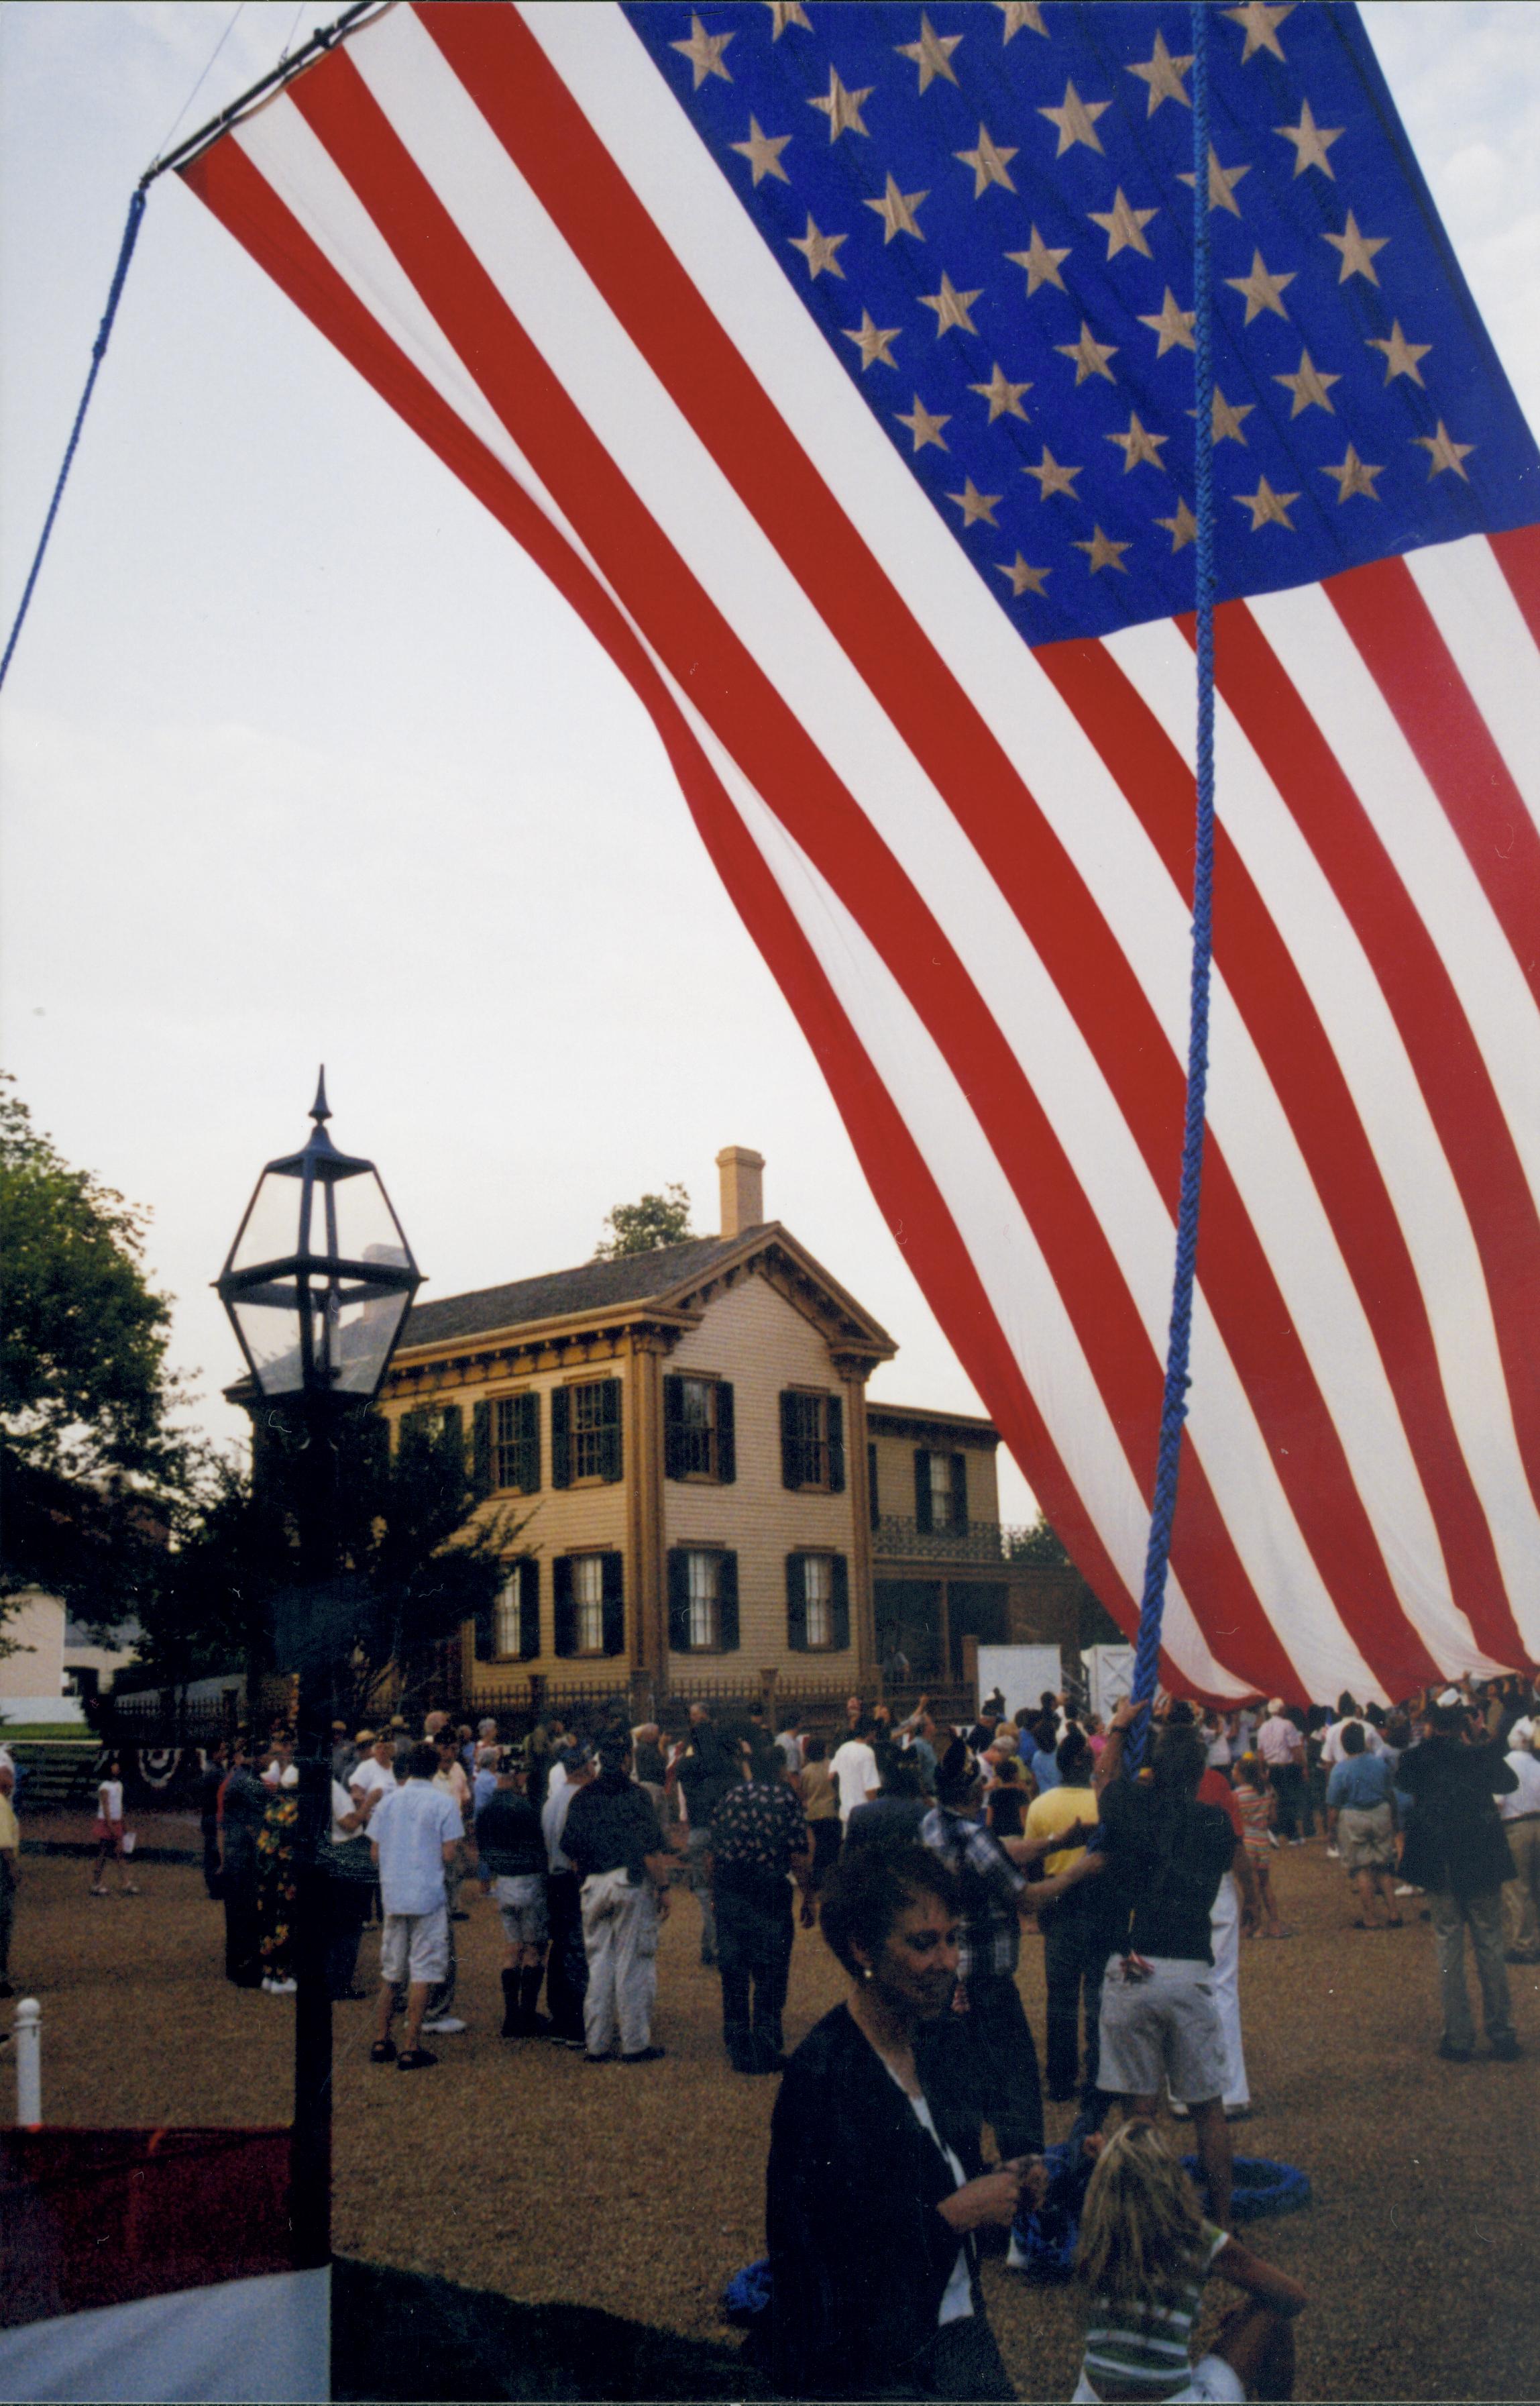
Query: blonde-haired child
[1145, 2253]
[1258, 1810]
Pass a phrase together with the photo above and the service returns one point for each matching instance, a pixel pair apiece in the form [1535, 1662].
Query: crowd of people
[921, 1849]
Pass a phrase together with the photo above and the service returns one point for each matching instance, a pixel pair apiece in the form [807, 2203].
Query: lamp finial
[319, 1112]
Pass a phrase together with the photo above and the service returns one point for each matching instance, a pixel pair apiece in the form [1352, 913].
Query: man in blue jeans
[1456, 1850]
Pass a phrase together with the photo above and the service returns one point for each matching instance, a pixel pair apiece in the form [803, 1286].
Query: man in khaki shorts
[413, 1834]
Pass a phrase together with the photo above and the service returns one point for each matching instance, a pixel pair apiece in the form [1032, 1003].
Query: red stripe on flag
[1276, 1005]
[1446, 1059]
[1517, 556]
[232, 187]
[796, 782]
[1398, 639]
[535, 117]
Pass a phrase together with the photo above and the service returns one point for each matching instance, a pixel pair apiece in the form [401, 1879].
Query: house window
[585, 1432]
[589, 1602]
[698, 1429]
[516, 1611]
[813, 1440]
[940, 1490]
[516, 1443]
[817, 1603]
[701, 1580]
[702, 1600]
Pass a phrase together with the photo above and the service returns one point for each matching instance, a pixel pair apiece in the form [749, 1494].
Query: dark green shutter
[922, 1487]
[842, 1602]
[528, 1608]
[452, 1426]
[610, 1457]
[527, 1444]
[959, 1490]
[679, 1600]
[564, 1614]
[791, 1443]
[727, 1602]
[797, 1605]
[614, 1594]
[726, 1448]
[480, 1451]
[673, 1428]
[561, 1441]
[871, 1485]
[486, 1632]
[837, 1445]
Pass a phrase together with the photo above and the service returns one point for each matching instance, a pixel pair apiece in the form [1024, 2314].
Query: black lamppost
[317, 1284]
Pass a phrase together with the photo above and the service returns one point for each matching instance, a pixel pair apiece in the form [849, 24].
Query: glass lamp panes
[271, 1230]
[268, 1320]
[366, 1228]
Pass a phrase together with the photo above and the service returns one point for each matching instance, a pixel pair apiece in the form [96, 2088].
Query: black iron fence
[897, 1536]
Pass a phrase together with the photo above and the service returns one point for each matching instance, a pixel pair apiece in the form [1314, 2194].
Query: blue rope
[98, 353]
[1179, 1342]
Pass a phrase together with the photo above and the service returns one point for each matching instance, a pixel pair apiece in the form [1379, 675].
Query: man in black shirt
[613, 1843]
[759, 1838]
[511, 1847]
[1456, 1850]
[707, 1769]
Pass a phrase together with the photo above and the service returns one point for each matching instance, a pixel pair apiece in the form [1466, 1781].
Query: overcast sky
[300, 760]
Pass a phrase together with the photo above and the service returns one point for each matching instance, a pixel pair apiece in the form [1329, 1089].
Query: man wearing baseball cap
[1456, 1850]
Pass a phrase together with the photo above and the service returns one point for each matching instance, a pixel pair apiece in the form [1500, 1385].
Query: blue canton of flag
[992, 223]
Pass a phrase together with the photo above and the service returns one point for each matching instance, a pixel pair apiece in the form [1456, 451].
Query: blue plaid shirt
[991, 1889]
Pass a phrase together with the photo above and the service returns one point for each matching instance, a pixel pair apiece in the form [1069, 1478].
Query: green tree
[1042, 1544]
[645, 1225]
[412, 1559]
[91, 1471]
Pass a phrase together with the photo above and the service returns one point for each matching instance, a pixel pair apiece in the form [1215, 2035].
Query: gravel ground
[519, 2168]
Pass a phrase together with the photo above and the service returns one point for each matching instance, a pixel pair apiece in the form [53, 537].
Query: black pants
[1289, 1788]
[242, 1961]
[825, 1847]
[1002, 2064]
[567, 1964]
[211, 1856]
[1075, 1950]
[346, 1911]
[753, 1942]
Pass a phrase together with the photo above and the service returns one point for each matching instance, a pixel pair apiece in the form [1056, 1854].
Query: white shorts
[1214, 2381]
[1166, 2028]
[521, 1904]
[416, 1946]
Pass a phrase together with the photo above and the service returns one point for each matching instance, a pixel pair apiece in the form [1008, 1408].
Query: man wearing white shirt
[1520, 1813]
[414, 1832]
[854, 1771]
[1281, 1748]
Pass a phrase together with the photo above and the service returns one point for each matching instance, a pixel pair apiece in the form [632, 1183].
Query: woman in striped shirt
[1145, 2254]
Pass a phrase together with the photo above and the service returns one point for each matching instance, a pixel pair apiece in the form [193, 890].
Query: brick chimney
[742, 1176]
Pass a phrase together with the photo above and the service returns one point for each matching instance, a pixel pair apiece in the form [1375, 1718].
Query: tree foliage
[91, 1468]
[645, 1225]
[412, 1561]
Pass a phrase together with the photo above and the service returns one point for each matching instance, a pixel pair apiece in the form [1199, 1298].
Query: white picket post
[28, 2032]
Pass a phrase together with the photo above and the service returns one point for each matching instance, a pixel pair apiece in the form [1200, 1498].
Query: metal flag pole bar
[1179, 1342]
[325, 37]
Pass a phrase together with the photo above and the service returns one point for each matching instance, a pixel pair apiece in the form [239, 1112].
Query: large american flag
[836, 365]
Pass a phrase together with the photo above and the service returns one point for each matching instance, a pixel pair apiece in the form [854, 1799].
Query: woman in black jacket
[875, 2183]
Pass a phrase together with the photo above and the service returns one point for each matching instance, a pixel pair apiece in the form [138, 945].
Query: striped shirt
[1132, 2343]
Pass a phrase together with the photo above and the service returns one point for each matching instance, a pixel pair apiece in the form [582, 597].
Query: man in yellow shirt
[1074, 1939]
[10, 1849]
